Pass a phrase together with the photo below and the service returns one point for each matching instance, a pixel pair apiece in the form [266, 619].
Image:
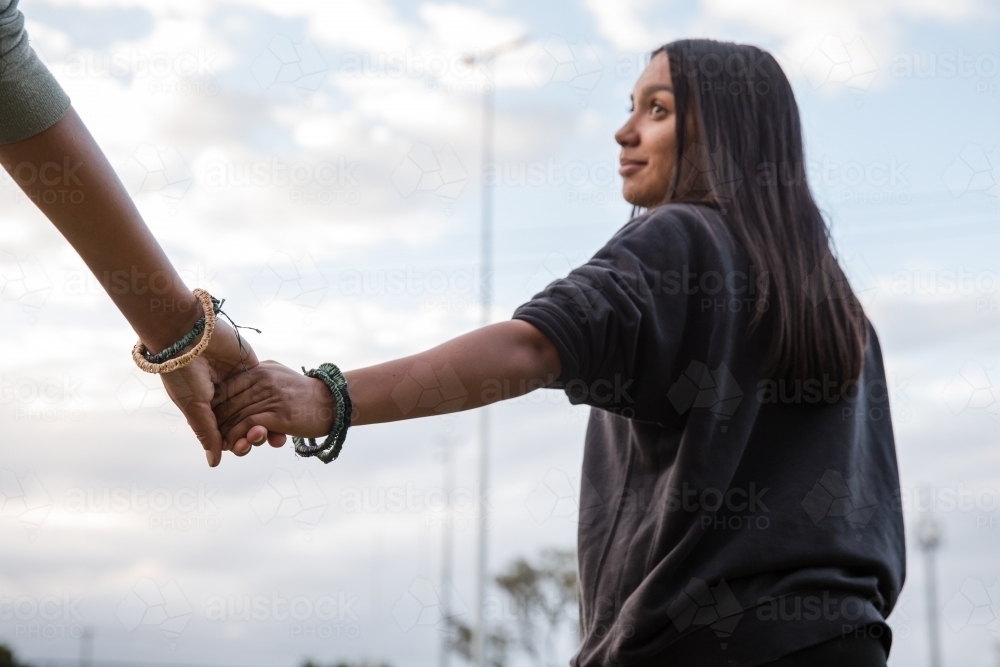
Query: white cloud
[792, 29]
[468, 29]
[620, 21]
[799, 26]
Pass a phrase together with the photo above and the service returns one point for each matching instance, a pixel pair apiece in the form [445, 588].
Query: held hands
[270, 400]
[193, 388]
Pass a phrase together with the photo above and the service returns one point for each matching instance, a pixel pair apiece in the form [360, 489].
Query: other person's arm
[494, 363]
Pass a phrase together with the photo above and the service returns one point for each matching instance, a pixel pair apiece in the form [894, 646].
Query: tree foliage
[543, 598]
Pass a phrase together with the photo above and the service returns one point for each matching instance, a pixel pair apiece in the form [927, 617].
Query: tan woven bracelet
[176, 363]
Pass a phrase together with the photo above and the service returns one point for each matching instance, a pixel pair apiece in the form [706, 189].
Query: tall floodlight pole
[447, 547]
[485, 60]
[929, 538]
[86, 648]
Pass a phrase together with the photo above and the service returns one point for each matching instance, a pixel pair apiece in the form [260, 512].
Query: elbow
[536, 354]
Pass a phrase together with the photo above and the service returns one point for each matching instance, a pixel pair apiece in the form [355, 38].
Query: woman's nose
[626, 135]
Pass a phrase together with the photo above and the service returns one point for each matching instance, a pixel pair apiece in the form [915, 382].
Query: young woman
[740, 455]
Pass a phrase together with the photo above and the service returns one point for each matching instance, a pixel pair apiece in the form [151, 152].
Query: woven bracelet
[139, 351]
[187, 339]
[335, 381]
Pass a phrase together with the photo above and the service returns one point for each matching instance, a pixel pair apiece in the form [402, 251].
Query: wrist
[336, 386]
[176, 317]
[322, 411]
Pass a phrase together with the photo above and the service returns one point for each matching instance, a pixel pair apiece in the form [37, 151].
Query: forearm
[63, 171]
[491, 364]
[494, 363]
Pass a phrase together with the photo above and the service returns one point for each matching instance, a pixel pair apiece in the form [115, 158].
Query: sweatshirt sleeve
[619, 316]
[31, 100]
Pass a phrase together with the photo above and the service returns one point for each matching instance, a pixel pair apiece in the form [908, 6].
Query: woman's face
[649, 137]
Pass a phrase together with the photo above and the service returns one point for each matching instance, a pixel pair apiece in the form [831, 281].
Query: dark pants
[848, 652]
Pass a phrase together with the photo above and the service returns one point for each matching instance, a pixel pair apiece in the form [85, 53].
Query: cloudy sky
[318, 165]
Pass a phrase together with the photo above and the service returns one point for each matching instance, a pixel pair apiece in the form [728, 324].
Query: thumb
[202, 421]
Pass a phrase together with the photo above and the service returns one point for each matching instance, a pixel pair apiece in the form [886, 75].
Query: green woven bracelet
[335, 381]
[188, 338]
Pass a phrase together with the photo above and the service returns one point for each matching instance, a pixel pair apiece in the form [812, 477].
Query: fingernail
[208, 455]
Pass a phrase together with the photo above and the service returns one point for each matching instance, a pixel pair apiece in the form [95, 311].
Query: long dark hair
[746, 158]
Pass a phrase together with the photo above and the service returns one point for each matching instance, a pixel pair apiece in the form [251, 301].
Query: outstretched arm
[494, 363]
[63, 171]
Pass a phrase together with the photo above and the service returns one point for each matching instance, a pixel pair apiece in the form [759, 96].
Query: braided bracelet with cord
[335, 381]
[175, 349]
[171, 359]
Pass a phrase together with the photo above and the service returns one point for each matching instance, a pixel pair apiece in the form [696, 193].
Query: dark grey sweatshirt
[725, 519]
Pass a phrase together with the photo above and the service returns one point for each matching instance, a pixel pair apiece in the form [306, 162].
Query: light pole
[929, 538]
[486, 304]
[447, 546]
[86, 648]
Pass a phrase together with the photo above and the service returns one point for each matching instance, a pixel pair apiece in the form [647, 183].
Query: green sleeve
[31, 100]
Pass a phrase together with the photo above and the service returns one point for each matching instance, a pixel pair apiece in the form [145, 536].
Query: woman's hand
[274, 397]
[192, 388]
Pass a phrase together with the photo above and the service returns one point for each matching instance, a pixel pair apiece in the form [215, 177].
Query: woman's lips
[629, 167]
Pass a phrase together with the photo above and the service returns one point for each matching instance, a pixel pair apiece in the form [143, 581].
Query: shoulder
[692, 222]
[674, 231]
